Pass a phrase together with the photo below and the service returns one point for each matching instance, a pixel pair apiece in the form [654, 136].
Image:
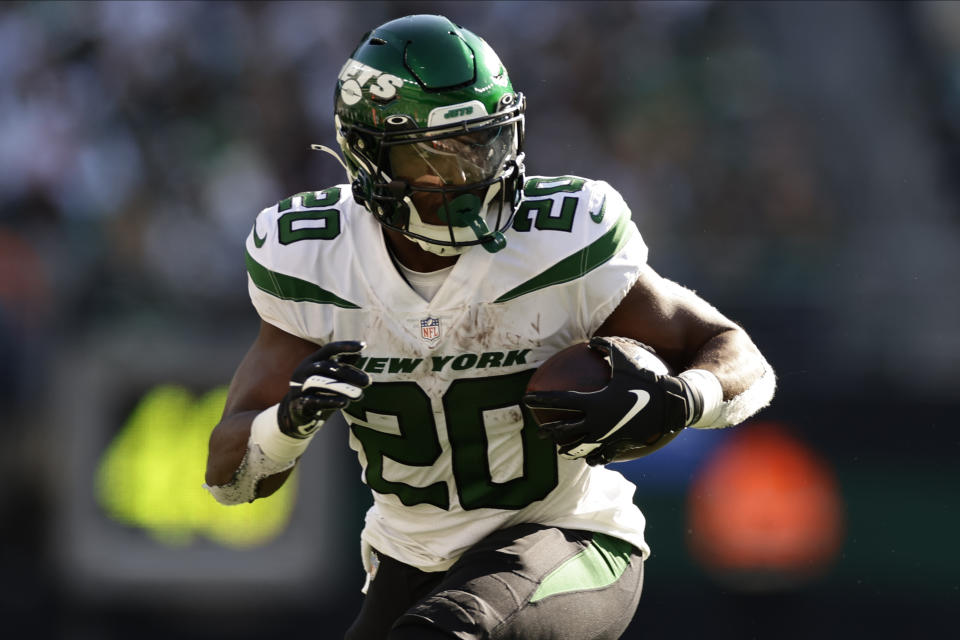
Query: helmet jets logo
[456, 113]
[355, 76]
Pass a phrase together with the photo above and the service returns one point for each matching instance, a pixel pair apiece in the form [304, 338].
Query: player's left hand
[636, 409]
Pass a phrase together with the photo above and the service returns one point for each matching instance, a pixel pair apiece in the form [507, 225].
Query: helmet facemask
[467, 176]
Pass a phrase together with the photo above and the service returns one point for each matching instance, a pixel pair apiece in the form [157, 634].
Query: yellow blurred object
[151, 476]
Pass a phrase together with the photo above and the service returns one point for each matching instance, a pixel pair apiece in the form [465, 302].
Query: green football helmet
[424, 106]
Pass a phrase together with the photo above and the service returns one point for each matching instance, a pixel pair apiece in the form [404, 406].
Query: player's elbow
[227, 495]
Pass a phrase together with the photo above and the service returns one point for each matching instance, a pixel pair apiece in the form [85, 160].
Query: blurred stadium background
[796, 163]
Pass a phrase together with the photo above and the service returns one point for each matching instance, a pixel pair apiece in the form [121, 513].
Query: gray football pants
[528, 582]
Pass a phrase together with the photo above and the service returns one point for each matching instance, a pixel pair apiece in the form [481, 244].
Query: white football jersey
[444, 444]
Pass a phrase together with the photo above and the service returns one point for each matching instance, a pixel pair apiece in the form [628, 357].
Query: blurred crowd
[769, 155]
[796, 163]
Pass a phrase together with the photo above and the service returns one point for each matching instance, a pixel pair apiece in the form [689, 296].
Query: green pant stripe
[599, 565]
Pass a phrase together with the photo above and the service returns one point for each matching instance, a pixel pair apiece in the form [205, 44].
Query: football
[580, 368]
[576, 368]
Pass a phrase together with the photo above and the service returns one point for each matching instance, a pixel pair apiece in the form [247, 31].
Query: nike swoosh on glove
[629, 417]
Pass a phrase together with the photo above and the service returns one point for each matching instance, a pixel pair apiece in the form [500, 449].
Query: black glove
[637, 412]
[323, 383]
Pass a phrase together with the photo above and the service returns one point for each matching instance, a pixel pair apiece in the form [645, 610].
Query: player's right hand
[323, 383]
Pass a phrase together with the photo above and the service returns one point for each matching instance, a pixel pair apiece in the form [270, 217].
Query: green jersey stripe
[599, 565]
[291, 288]
[577, 265]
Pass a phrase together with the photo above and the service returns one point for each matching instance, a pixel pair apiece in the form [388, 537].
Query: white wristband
[710, 391]
[276, 445]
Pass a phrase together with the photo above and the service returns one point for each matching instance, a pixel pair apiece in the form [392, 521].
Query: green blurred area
[147, 477]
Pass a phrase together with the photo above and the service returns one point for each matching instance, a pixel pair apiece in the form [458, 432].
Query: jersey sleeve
[286, 260]
[264, 282]
[573, 248]
[621, 248]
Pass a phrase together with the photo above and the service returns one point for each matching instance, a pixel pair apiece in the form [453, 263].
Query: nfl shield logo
[430, 329]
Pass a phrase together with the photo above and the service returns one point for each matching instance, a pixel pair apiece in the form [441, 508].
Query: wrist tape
[269, 451]
[254, 467]
[276, 445]
[704, 387]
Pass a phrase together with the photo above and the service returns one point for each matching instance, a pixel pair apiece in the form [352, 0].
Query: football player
[418, 298]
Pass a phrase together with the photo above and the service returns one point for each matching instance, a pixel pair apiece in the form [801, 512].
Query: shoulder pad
[565, 202]
[307, 215]
[565, 228]
[292, 241]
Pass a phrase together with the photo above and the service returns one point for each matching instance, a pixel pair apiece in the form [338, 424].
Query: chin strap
[464, 211]
[444, 250]
[464, 214]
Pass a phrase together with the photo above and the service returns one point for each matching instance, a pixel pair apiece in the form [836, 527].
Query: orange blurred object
[765, 510]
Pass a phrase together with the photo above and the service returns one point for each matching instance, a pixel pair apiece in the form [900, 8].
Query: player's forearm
[228, 445]
[238, 470]
[743, 382]
[734, 359]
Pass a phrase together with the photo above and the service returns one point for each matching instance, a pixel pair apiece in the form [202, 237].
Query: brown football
[576, 368]
[580, 368]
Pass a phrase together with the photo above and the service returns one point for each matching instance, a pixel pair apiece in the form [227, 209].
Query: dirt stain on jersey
[479, 328]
